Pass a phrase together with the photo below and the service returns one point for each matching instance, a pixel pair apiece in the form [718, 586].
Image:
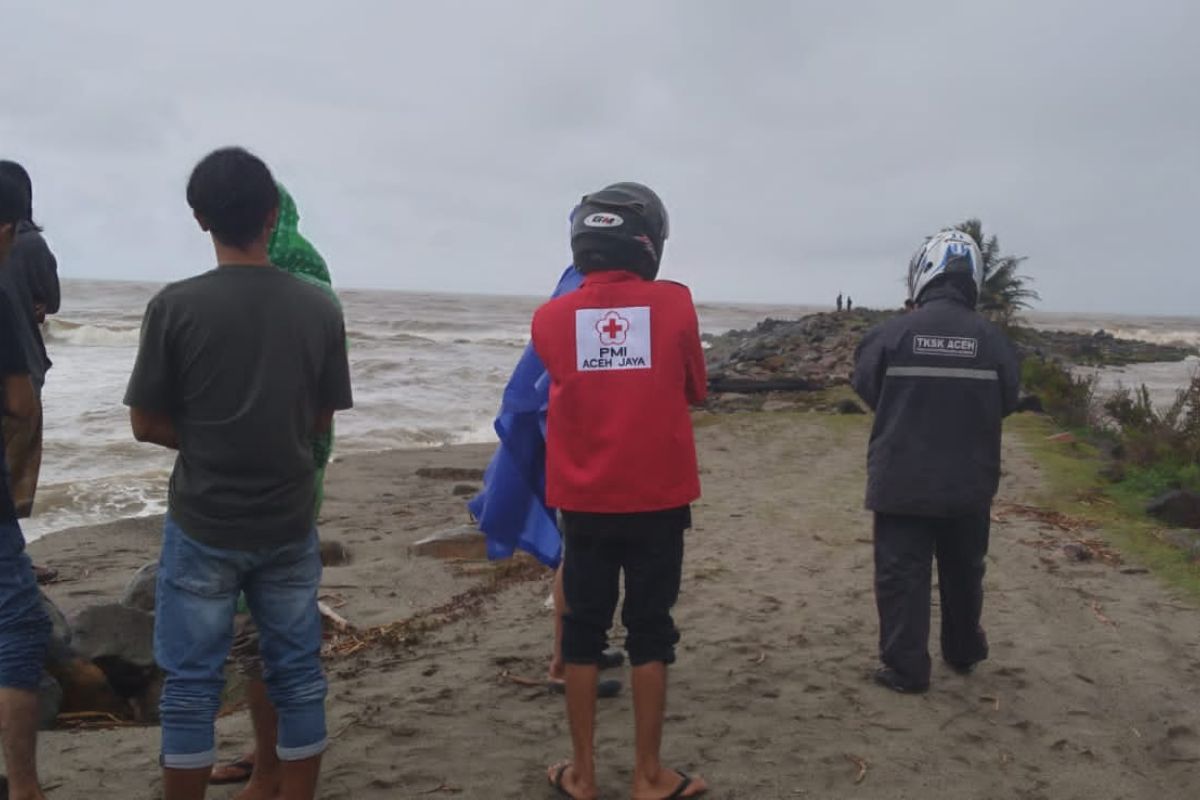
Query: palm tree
[1005, 292]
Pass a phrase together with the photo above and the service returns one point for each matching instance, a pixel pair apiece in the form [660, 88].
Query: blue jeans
[198, 589]
[24, 625]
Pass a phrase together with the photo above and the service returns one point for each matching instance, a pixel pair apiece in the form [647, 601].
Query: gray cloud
[803, 148]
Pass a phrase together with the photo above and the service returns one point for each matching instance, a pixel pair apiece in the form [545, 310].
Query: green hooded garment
[294, 254]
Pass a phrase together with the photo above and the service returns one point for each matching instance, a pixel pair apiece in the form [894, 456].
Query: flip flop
[236, 772]
[557, 783]
[605, 689]
[683, 787]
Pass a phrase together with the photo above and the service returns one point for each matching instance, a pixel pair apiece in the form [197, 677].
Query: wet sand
[1090, 691]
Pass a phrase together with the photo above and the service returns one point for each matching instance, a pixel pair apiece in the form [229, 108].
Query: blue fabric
[198, 589]
[24, 626]
[511, 510]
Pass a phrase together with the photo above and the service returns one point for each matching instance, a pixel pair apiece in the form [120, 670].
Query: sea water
[428, 370]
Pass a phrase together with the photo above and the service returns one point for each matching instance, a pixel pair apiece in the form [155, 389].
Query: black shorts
[648, 548]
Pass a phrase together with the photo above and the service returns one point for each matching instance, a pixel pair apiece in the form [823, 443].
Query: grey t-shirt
[243, 359]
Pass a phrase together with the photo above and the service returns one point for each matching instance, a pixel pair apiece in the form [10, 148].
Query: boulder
[59, 648]
[50, 702]
[334, 553]
[848, 406]
[464, 541]
[142, 587]
[1030, 404]
[113, 632]
[59, 628]
[1179, 509]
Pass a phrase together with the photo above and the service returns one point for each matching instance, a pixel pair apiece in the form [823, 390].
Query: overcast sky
[802, 148]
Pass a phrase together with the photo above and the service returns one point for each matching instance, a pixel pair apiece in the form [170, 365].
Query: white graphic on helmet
[603, 220]
[947, 252]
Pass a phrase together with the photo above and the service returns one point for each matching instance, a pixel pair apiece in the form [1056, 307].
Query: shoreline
[771, 696]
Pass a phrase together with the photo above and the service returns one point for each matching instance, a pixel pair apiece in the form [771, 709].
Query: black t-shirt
[30, 275]
[243, 359]
[12, 362]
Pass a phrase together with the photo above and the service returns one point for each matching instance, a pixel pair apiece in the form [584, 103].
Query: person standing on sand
[624, 357]
[238, 369]
[30, 276]
[24, 625]
[940, 380]
[291, 252]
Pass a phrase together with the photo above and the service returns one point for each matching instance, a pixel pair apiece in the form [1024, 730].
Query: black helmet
[623, 226]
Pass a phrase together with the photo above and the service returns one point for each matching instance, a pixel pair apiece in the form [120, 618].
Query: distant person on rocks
[849, 303]
[238, 369]
[30, 277]
[840, 303]
[24, 625]
[291, 252]
[624, 357]
[940, 380]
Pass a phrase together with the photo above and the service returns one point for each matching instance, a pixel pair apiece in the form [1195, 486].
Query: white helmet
[949, 252]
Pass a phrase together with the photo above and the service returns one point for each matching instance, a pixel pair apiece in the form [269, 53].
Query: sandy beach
[1090, 691]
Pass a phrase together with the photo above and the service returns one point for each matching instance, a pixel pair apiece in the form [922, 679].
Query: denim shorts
[24, 625]
[198, 588]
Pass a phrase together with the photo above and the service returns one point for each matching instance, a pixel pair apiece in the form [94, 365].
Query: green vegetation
[1005, 291]
[1077, 484]
[1067, 397]
[1123, 453]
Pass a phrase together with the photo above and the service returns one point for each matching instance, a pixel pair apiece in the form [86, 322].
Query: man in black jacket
[940, 380]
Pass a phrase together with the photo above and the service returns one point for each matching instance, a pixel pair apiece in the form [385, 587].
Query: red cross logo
[612, 328]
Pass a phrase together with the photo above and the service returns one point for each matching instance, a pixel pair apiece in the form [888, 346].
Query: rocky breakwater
[1098, 349]
[808, 354]
[817, 352]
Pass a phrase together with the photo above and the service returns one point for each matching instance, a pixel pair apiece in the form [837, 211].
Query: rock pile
[101, 660]
[812, 353]
[817, 352]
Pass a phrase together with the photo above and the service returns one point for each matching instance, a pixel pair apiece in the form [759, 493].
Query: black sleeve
[152, 382]
[43, 279]
[1010, 373]
[334, 391]
[12, 355]
[869, 366]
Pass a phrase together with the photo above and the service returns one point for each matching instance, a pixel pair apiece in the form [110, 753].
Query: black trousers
[905, 547]
[648, 549]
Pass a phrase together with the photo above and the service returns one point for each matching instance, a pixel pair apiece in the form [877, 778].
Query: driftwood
[339, 623]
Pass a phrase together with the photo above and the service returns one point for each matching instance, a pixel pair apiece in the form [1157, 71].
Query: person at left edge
[24, 626]
[238, 368]
[30, 276]
[624, 357]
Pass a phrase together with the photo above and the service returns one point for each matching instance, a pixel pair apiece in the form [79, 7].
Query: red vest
[625, 360]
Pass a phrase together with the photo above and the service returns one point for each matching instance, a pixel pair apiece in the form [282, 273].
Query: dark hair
[14, 202]
[233, 193]
[17, 174]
